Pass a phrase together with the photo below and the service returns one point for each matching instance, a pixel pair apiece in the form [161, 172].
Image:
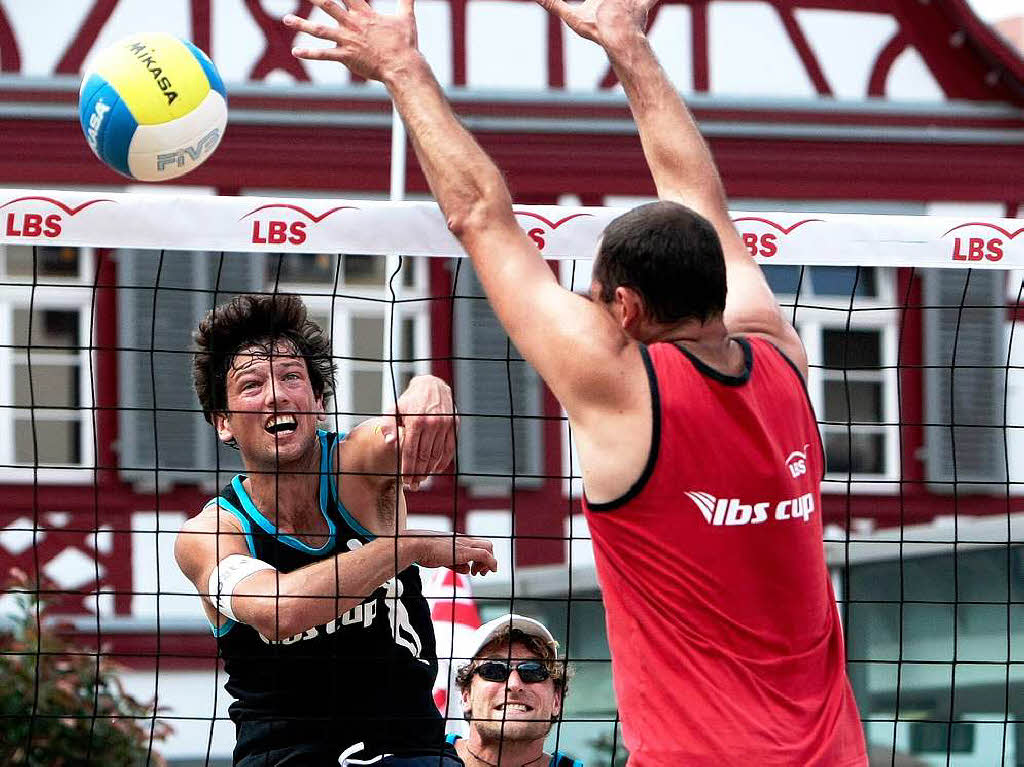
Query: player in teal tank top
[304, 563]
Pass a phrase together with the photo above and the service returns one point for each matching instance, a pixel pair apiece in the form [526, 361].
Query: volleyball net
[910, 325]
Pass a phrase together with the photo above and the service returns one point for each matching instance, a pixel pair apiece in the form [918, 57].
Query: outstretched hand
[371, 44]
[462, 553]
[602, 21]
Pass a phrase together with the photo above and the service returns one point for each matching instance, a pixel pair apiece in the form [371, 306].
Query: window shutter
[487, 366]
[964, 405]
[161, 298]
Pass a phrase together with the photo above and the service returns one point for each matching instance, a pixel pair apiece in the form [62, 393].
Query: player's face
[512, 710]
[272, 411]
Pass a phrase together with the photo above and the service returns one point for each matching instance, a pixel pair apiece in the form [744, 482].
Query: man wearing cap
[512, 691]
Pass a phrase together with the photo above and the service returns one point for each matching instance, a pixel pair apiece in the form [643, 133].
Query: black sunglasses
[530, 671]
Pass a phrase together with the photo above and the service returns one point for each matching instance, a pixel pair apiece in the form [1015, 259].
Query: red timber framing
[307, 137]
[311, 138]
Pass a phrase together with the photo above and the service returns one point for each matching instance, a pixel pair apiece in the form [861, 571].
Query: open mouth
[284, 423]
[514, 706]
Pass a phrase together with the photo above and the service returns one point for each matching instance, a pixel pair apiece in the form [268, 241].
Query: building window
[45, 365]
[350, 296]
[847, 320]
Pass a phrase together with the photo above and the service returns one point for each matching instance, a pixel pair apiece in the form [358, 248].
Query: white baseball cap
[504, 625]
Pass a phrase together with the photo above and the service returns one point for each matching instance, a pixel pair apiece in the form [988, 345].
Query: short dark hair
[668, 254]
[262, 321]
[561, 672]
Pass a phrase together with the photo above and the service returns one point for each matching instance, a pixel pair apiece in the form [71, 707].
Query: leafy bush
[61, 705]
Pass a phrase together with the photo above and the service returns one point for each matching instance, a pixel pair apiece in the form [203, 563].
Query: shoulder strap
[652, 452]
[330, 484]
[228, 502]
[562, 760]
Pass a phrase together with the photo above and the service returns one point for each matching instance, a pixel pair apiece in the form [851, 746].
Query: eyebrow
[238, 374]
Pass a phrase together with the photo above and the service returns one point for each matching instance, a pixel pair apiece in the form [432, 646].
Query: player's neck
[476, 753]
[284, 495]
[708, 341]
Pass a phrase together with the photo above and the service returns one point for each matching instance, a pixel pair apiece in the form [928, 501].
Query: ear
[321, 411]
[466, 708]
[556, 709]
[224, 432]
[632, 311]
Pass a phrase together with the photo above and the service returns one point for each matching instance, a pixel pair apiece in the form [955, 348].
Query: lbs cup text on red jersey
[731, 512]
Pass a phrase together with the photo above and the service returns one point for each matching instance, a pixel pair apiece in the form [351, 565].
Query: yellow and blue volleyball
[153, 107]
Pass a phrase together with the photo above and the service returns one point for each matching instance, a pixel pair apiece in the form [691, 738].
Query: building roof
[812, 86]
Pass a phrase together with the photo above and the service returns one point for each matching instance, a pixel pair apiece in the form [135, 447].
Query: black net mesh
[104, 453]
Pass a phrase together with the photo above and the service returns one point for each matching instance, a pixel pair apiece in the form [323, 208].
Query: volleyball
[152, 107]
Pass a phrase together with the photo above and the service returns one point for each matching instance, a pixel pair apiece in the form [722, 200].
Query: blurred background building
[809, 105]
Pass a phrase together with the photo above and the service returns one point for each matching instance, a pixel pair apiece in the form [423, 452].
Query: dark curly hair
[262, 321]
[561, 672]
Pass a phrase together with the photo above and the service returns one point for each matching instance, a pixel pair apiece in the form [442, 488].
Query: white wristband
[231, 571]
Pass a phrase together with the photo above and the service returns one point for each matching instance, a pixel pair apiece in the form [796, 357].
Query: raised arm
[680, 161]
[539, 315]
[425, 418]
[280, 605]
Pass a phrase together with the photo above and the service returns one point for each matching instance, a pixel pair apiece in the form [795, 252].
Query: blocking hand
[602, 21]
[370, 44]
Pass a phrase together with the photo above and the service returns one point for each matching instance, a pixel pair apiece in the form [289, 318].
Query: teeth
[514, 707]
[280, 420]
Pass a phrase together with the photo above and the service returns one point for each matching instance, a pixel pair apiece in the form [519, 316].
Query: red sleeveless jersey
[727, 646]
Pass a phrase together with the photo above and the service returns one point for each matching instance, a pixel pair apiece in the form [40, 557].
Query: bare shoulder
[207, 538]
[365, 452]
[589, 360]
[613, 381]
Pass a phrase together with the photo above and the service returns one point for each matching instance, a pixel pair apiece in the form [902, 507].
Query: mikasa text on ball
[152, 107]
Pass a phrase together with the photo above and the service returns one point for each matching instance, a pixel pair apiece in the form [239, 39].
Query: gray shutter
[487, 366]
[162, 433]
[964, 405]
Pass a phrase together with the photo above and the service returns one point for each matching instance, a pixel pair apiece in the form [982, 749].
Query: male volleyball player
[699, 449]
[513, 690]
[304, 561]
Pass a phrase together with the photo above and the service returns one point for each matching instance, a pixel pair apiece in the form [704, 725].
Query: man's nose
[275, 395]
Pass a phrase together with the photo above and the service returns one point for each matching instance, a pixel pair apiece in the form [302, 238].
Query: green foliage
[61, 705]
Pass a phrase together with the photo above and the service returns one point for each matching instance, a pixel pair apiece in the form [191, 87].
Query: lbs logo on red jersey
[732, 512]
[796, 462]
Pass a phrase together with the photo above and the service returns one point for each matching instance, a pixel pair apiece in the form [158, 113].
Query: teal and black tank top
[364, 677]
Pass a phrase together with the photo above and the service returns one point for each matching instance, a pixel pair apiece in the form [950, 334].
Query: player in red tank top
[714, 576]
[700, 454]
